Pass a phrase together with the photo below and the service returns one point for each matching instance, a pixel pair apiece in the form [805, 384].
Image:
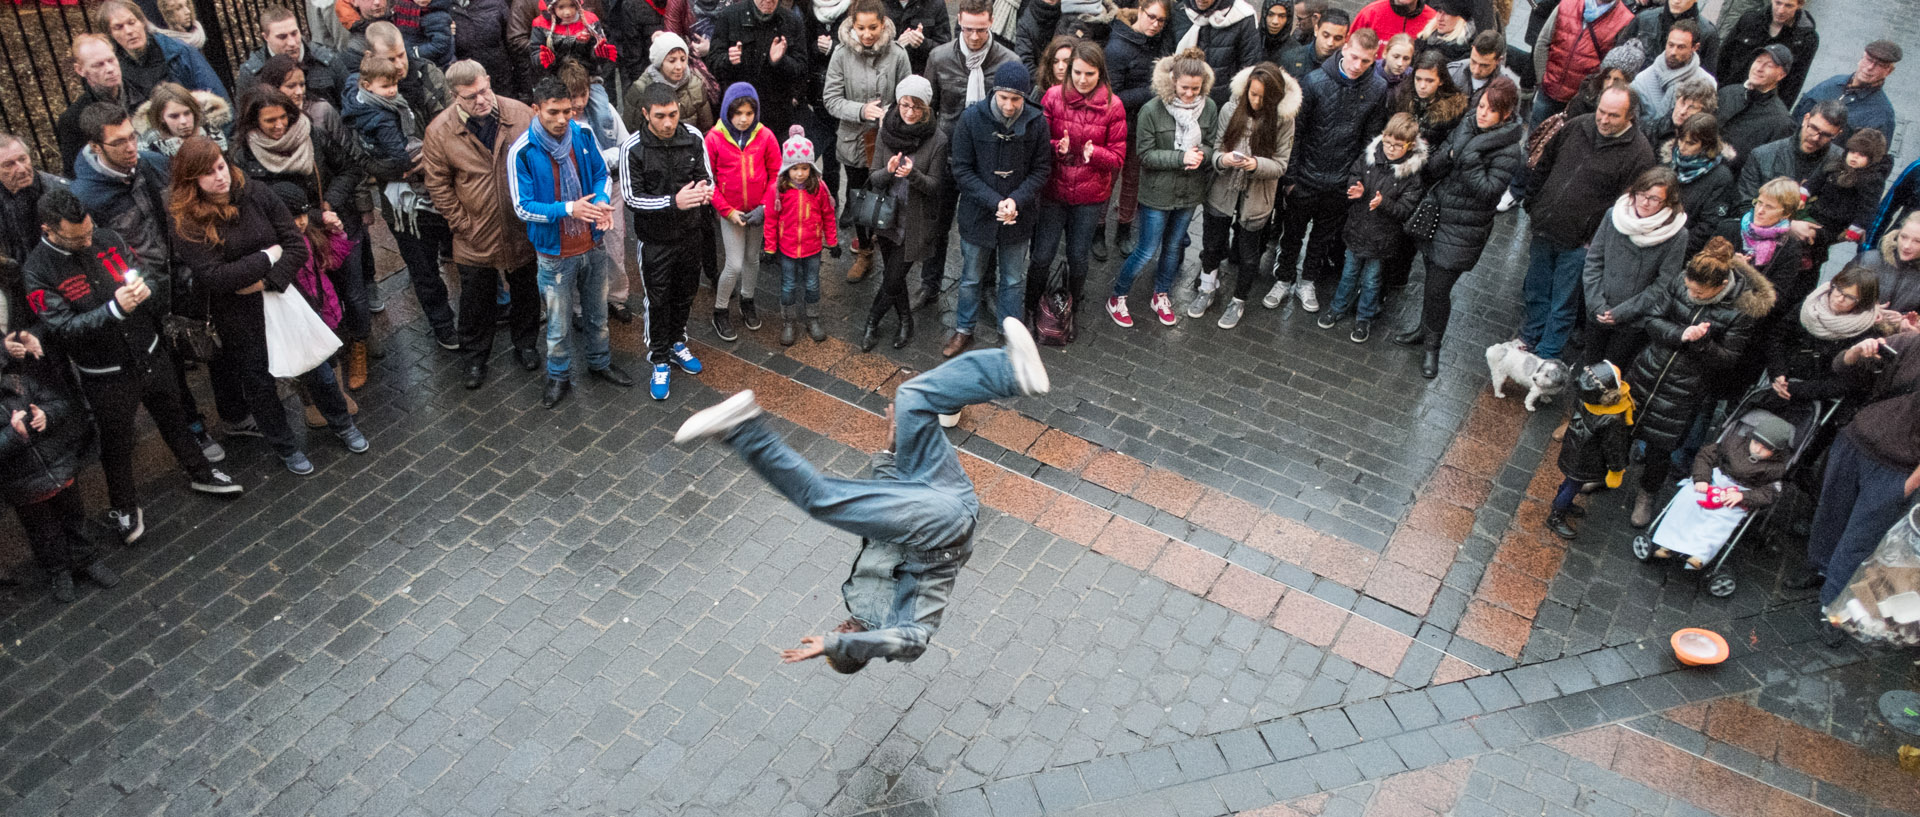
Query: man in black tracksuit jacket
[100, 312]
[667, 182]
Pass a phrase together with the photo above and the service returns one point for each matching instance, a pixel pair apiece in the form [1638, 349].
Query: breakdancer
[915, 516]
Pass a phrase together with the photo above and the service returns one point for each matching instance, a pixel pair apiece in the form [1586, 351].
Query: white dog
[1543, 378]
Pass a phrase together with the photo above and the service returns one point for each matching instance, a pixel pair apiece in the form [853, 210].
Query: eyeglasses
[910, 105]
[1649, 197]
[118, 143]
[974, 30]
[1157, 18]
[1842, 296]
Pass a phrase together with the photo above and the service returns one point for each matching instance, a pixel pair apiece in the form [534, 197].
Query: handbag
[1425, 220]
[871, 209]
[1054, 325]
[297, 340]
[194, 338]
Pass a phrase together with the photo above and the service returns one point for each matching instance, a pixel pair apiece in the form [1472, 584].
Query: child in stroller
[1737, 475]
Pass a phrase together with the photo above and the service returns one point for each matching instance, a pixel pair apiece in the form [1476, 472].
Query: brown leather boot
[960, 342]
[862, 263]
[356, 365]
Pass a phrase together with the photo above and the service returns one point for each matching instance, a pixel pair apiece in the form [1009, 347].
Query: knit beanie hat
[1012, 76]
[664, 45]
[915, 86]
[1629, 56]
[1870, 142]
[798, 149]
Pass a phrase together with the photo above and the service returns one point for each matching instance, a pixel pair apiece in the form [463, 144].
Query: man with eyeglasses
[962, 73]
[1863, 91]
[1799, 156]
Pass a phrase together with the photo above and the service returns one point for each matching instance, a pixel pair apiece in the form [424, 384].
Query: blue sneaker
[683, 357]
[298, 463]
[661, 372]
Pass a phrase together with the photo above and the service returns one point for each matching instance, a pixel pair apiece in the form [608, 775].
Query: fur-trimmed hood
[1890, 252]
[1163, 80]
[214, 111]
[1727, 152]
[1756, 296]
[1446, 108]
[1288, 106]
[851, 42]
[1415, 160]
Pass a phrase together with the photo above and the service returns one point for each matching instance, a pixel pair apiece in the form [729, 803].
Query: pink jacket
[742, 176]
[799, 223]
[1098, 119]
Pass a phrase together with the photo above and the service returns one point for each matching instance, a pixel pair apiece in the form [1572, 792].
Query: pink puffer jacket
[1098, 119]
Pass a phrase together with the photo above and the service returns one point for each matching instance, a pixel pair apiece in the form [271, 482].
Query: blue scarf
[561, 152]
[1592, 9]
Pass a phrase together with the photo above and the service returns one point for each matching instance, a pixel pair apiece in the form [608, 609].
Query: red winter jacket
[742, 176]
[1572, 55]
[799, 223]
[1385, 21]
[1100, 119]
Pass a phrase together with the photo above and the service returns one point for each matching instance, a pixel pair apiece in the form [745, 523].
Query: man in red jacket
[1390, 17]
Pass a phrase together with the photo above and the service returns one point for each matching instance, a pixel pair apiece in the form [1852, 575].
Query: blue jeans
[564, 282]
[1077, 222]
[1362, 274]
[798, 274]
[1552, 295]
[916, 514]
[1159, 232]
[1859, 500]
[1012, 271]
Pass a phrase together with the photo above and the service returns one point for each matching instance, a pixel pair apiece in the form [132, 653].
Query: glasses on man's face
[475, 95]
[118, 143]
[974, 30]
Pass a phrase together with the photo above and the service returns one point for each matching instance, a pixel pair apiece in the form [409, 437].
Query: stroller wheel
[1642, 548]
[1721, 584]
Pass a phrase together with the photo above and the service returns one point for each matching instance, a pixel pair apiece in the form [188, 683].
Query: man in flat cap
[1863, 91]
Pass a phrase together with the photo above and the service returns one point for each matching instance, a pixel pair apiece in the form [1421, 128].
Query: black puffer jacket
[1472, 169]
[1670, 377]
[1376, 232]
[1228, 49]
[1130, 58]
[1338, 117]
[40, 464]
[480, 33]
[1595, 444]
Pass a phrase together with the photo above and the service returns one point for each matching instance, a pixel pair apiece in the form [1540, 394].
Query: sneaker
[718, 419]
[1028, 370]
[98, 573]
[1230, 317]
[683, 357]
[1361, 331]
[447, 340]
[1163, 308]
[1117, 309]
[298, 463]
[215, 481]
[950, 420]
[1507, 201]
[245, 428]
[376, 302]
[1309, 299]
[355, 441]
[1328, 320]
[208, 446]
[723, 326]
[659, 387]
[1277, 295]
[1198, 305]
[128, 526]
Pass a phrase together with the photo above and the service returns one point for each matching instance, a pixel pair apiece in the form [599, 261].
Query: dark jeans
[1221, 238]
[1325, 215]
[480, 309]
[1616, 344]
[1436, 305]
[893, 283]
[1861, 498]
[422, 255]
[671, 275]
[1563, 498]
[56, 530]
[350, 281]
[116, 399]
[799, 279]
[244, 388]
[1552, 296]
[1074, 221]
[933, 273]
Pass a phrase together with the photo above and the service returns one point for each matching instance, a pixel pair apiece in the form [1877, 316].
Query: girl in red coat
[799, 224]
[1089, 135]
[746, 158]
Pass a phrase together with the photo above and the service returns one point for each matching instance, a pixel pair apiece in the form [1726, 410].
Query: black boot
[870, 336]
[903, 335]
[1557, 522]
[1430, 364]
[748, 314]
[1417, 336]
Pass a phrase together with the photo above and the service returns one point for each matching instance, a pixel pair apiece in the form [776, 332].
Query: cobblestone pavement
[1291, 583]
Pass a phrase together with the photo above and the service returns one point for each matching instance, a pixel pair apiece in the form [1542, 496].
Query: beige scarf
[291, 153]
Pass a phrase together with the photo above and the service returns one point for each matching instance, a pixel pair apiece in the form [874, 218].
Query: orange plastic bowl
[1696, 647]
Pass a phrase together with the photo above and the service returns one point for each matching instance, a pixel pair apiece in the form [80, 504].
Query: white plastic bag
[297, 340]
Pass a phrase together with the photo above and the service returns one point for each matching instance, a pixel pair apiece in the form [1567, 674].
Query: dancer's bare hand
[812, 646]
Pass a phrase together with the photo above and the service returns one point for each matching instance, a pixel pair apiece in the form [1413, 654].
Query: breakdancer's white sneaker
[718, 419]
[1028, 371]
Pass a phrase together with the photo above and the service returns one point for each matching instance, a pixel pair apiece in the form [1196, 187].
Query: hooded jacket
[1130, 60]
[1759, 480]
[1749, 119]
[1234, 44]
[1839, 197]
[1438, 115]
[994, 160]
[1750, 33]
[1249, 196]
[1472, 169]
[1579, 175]
[1595, 444]
[585, 40]
[1670, 376]
[1165, 181]
[1338, 116]
[1708, 199]
[72, 292]
[135, 207]
[41, 464]
[857, 75]
[326, 72]
[1899, 281]
[1570, 49]
[1376, 232]
[800, 222]
[1098, 118]
[467, 181]
[742, 173]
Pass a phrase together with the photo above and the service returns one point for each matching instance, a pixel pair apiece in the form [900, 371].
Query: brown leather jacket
[468, 184]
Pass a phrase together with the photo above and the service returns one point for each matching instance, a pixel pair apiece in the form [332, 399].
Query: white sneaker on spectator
[1507, 201]
[1309, 299]
[1277, 295]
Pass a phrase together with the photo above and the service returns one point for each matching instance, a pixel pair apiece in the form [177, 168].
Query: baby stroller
[1743, 418]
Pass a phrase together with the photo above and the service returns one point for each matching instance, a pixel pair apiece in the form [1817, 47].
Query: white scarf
[976, 64]
[1817, 315]
[195, 38]
[828, 11]
[1186, 121]
[1082, 7]
[1645, 232]
[1230, 12]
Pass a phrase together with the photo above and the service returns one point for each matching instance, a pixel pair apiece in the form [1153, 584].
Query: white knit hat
[915, 86]
[798, 150]
[664, 45]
